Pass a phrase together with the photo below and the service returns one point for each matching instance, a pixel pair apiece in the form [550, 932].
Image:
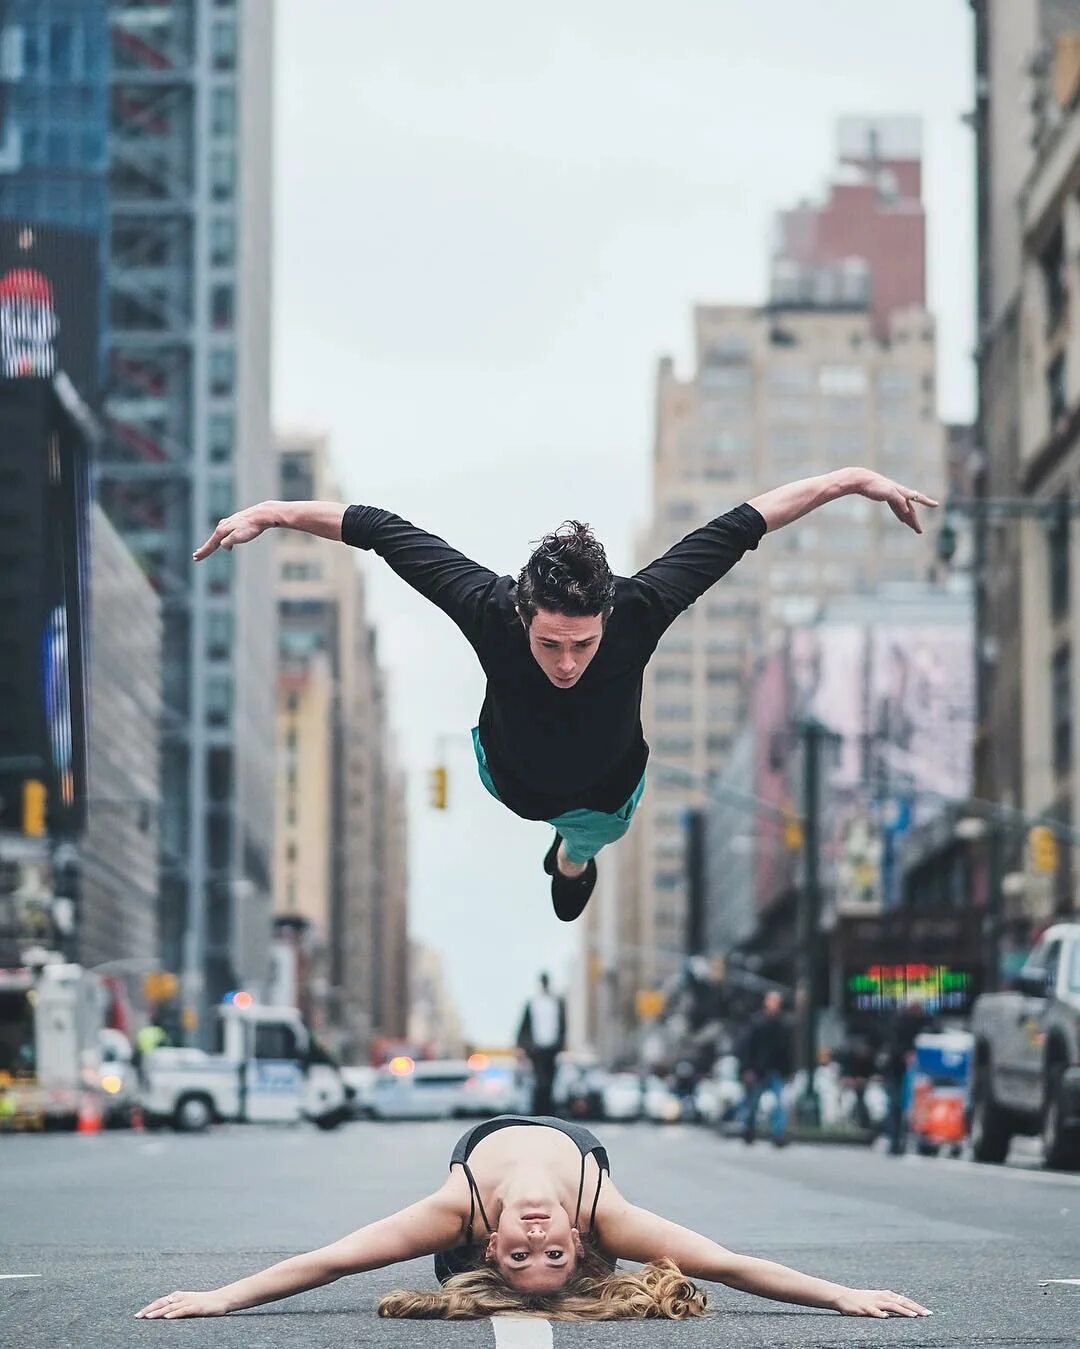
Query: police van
[267, 1068]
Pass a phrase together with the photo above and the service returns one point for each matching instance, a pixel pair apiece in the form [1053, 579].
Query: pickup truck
[268, 1069]
[1027, 1055]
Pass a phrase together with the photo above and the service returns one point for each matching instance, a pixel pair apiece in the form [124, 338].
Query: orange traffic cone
[89, 1116]
[137, 1125]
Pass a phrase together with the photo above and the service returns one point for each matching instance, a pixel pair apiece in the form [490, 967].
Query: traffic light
[34, 800]
[1044, 849]
[438, 787]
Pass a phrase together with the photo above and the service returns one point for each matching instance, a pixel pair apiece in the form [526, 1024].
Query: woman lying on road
[525, 1181]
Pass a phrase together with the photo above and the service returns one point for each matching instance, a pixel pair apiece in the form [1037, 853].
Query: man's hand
[176, 1305]
[877, 1302]
[241, 527]
[902, 500]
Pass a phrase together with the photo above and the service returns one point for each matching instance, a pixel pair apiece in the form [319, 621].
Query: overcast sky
[491, 220]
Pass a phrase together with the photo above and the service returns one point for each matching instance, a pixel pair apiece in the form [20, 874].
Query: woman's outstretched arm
[631, 1233]
[431, 1225]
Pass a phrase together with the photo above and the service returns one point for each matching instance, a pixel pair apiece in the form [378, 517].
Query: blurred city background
[634, 265]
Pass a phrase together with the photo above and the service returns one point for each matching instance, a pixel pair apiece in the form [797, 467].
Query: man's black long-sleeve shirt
[550, 750]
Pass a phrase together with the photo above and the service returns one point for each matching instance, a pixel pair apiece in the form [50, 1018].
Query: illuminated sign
[884, 988]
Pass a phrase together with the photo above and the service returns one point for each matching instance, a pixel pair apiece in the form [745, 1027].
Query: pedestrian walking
[529, 1221]
[765, 1061]
[564, 646]
[542, 1037]
[857, 1066]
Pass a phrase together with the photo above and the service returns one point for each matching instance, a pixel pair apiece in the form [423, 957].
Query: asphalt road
[106, 1223]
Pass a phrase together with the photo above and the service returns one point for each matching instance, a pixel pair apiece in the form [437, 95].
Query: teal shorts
[584, 832]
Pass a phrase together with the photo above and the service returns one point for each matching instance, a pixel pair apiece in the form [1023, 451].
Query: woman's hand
[240, 527]
[176, 1305]
[877, 1302]
[902, 500]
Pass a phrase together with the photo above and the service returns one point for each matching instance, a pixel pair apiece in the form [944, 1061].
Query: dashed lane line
[22, 1276]
[521, 1332]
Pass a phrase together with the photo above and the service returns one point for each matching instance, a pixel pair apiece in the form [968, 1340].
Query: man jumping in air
[565, 645]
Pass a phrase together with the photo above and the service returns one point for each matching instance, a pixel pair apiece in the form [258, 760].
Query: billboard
[937, 988]
[900, 695]
[44, 598]
[49, 300]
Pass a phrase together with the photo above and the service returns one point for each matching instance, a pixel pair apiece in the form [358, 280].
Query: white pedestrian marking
[521, 1332]
[22, 1276]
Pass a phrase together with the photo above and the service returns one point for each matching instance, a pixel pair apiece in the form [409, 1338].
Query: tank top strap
[475, 1202]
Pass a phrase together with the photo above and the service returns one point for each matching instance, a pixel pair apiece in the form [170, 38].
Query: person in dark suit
[542, 1036]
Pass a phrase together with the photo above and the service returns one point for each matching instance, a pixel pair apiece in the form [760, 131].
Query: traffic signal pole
[812, 733]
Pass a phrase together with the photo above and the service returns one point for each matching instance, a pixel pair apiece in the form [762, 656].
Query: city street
[105, 1223]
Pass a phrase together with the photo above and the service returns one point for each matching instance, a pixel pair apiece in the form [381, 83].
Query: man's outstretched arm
[429, 564]
[310, 517]
[795, 499]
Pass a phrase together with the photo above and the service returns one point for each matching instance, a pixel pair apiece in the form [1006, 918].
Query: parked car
[496, 1085]
[361, 1080]
[622, 1096]
[661, 1104]
[719, 1096]
[119, 1080]
[1027, 1055]
[428, 1089]
[579, 1088]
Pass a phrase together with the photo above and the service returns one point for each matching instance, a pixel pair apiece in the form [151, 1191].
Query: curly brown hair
[594, 1292]
[568, 573]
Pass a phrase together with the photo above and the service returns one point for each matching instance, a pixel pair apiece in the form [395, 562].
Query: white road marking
[22, 1276]
[521, 1332]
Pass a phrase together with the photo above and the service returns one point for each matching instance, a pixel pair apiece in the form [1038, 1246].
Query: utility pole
[813, 733]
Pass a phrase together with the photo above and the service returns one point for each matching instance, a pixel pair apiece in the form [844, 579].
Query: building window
[221, 433]
[292, 701]
[61, 50]
[222, 175]
[218, 700]
[222, 371]
[218, 568]
[221, 307]
[1057, 539]
[219, 499]
[1061, 709]
[1055, 284]
[1057, 400]
[290, 852]
[222, 241]
[223, 111]
[674, 712]
[223, 45]
[219, 633]
[219, 774]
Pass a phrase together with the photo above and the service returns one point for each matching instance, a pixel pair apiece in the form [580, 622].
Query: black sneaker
[551, 854]
[570, 894]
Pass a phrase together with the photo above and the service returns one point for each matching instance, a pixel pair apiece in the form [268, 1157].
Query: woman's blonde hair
[594, 1293]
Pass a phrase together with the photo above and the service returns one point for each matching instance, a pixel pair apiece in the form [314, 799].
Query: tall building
[118, 853]
[149, 126]
[434, 1024]
[54, 124]
[867, 241]
[1018, 65]
[340, 863]
[187, 405]
[1048, 469]
[817, 379]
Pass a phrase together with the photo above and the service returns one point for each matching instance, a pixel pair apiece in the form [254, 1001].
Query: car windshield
[1074, 969]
